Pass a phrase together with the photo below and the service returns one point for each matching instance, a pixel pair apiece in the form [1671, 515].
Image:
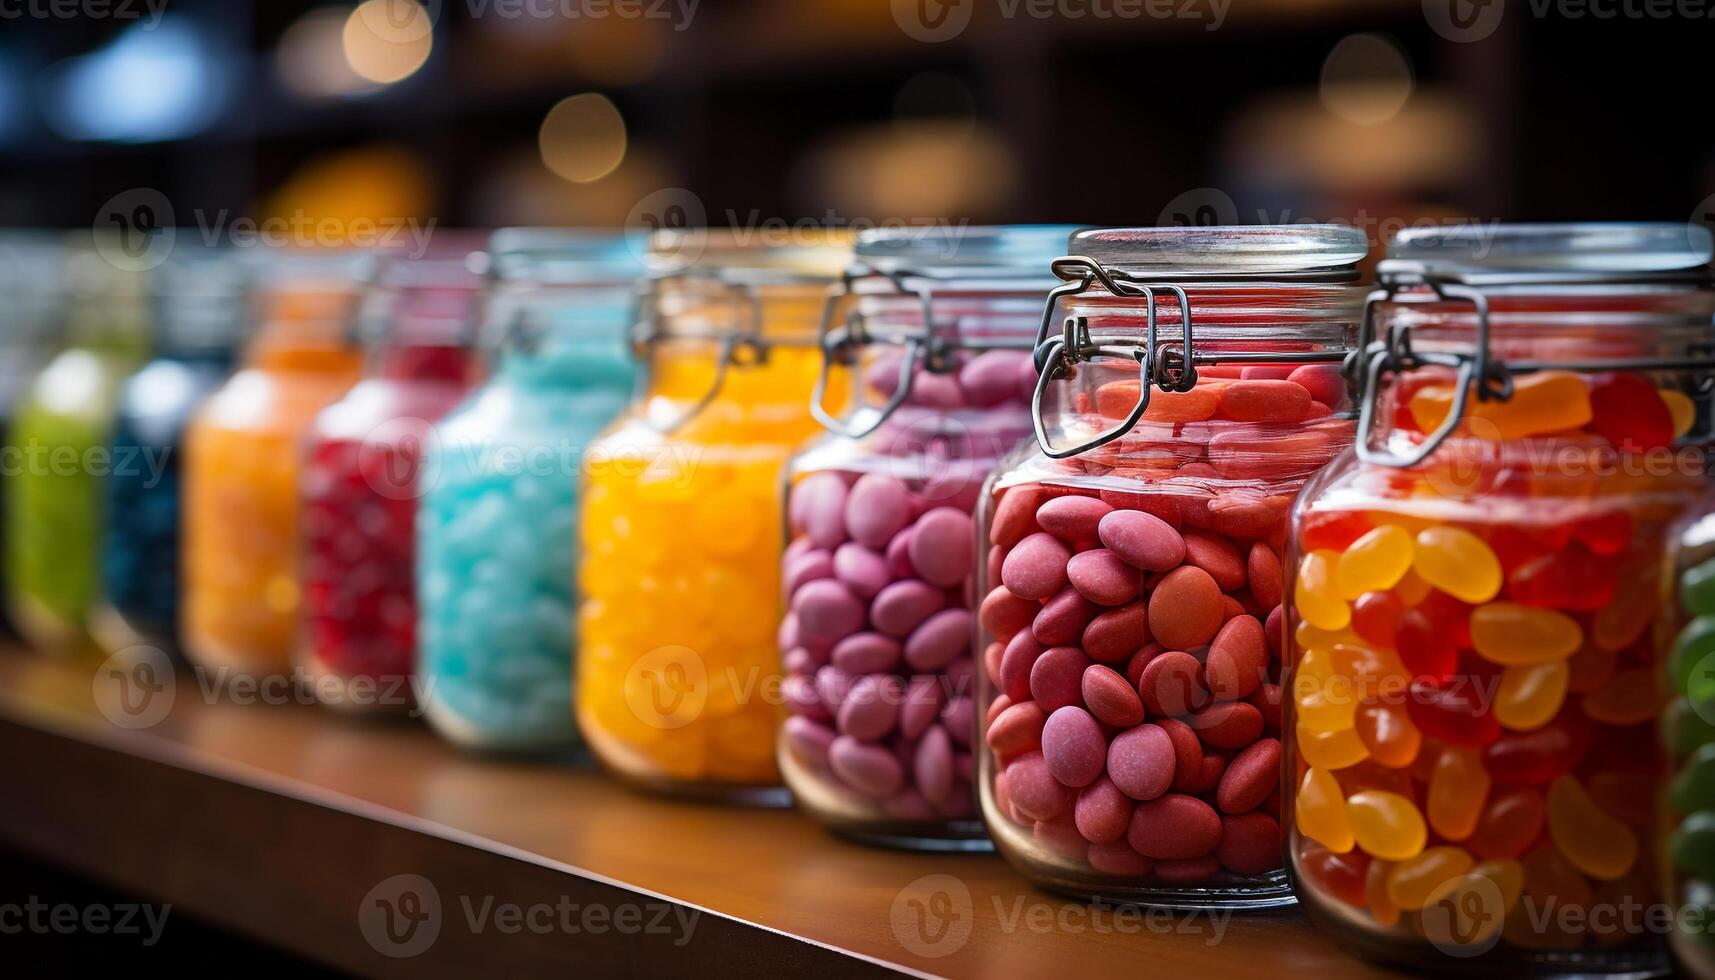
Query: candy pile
[878, 589]
[359, 517]
[1475, 704]
[1689, 727]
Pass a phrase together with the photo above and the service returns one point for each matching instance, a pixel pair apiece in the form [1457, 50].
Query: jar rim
[1248, 250]
[1594, 251]
[964, 252]
[752, 257]
[564, 256]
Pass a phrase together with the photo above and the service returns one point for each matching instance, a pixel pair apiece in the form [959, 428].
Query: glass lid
[1584, 251]
[965, 252]
[1251, 250]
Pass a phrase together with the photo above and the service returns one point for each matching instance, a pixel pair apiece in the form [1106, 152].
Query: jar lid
[752, 256]
[198, 296]
[1585, 251]
[1248, 250]
[423, 301]
[965, 252]
[32, 283]
[563, 256]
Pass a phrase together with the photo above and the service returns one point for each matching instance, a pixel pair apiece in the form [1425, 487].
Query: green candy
[1694, 788]
[1691, 666]
[1692, 846]
[1697, 589]
[1685, 727]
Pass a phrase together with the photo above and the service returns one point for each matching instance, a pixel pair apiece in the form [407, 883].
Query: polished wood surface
[282, 821]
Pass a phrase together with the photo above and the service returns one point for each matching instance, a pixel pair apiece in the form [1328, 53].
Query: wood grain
[277, 821]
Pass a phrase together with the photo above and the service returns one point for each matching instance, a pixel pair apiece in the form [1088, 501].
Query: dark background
[786, 108]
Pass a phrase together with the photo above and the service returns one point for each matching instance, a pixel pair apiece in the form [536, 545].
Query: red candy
[1627, 411]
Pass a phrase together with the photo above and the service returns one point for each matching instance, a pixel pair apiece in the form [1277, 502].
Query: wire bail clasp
[739, 347]
[842, 344]
[1167, 368]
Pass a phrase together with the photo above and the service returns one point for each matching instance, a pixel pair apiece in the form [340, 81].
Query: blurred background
[492, 112]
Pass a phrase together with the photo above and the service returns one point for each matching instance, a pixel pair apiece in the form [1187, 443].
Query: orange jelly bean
[1591, 840]
[1411, 883]
[1387, 732]
[1374, 562]
[1458, 789]
[1547, 401]
[1630, 697]
[1321, 811]
[1382, 908]
[1530, 695]
[1509, 634]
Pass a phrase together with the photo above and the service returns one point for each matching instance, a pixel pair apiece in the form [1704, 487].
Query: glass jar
[678, 674]
[937, 335]
[197, 317]
[1129, 700]
[362, 455]
[497, 526]
[62, 426]
[32, 280]
[243, 452]
[1688, 727]
[1473, 764]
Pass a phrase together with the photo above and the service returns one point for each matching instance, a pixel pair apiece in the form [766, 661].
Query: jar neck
[1586, 396]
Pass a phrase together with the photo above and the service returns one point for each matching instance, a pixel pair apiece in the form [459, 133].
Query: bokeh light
[311, 58]
[386, 41]
[583, 138]
[1366, 79]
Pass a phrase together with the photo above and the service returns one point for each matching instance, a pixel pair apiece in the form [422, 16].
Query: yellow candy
[1458, 788]
[681, 570]
[1509, 634]
[1326, 700]
[1458, 563]
[1386, 825]
[1319, 602]
[1321, 811]
[1530, 695]
[1547, 401]
[1412, 883]
[1374, 562]
[1682, 410]
[1331, 750]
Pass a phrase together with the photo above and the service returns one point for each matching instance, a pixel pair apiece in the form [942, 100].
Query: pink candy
[1136, 679]
[881, 675]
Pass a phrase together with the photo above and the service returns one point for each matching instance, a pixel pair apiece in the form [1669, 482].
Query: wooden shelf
[280, 821]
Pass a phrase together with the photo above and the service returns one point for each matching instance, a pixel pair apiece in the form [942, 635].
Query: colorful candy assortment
[360, 490]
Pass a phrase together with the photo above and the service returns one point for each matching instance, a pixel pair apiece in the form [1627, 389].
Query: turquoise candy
[1690, 665]
[1692, 846]
[1694, 788]
[497, 538]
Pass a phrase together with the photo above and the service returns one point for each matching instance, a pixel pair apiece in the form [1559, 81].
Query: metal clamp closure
[923, 347]
[1169, 367]
[1478, 368]
[743, 347]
